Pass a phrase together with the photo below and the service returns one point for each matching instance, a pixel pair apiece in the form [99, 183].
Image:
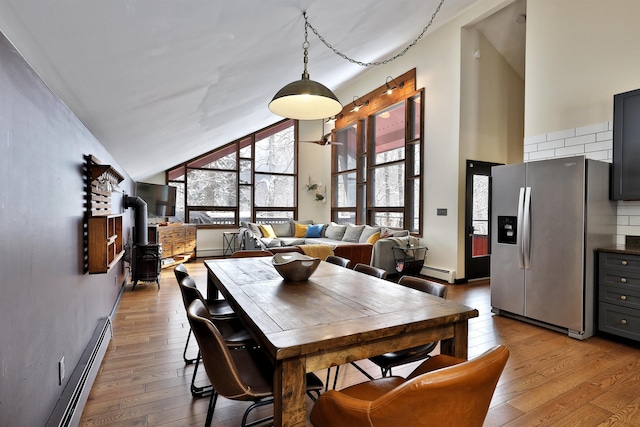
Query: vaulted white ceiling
[161, 81]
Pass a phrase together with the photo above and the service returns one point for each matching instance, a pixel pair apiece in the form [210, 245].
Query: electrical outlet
[61, 371]
[441, 212]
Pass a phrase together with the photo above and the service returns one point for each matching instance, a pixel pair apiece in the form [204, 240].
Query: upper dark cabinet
[625, 182]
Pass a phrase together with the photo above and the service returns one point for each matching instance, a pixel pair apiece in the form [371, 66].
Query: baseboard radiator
[439, 273]
[72, 400]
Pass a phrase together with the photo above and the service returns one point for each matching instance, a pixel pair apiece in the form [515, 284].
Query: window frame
[182, 171]
[365, 169]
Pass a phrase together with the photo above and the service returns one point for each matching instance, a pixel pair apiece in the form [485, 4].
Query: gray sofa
[251, 236]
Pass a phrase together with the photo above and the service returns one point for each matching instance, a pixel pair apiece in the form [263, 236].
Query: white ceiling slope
[162, 81]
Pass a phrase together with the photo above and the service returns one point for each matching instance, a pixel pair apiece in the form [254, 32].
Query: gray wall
[48, 307]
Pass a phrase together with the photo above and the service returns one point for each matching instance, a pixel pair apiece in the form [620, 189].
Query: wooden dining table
[337, 316]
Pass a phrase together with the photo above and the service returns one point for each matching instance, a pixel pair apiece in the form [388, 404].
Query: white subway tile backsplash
[561, 134]
[598, 146]
[598, 127]
[535, 139]
[568, 151]
[551, 145]
[540, 155]
[597, 155]
[580, 140]
[530, 148]
[622, 220]
[602, 136]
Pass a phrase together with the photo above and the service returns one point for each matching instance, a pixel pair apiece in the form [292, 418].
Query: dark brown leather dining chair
[390, 360]
[371, 270]
[244, 374]
[218, 308]
[338, 260]
[443, 391]
[232, 330]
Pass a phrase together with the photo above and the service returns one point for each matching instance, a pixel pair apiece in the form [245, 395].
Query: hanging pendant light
[305, 99]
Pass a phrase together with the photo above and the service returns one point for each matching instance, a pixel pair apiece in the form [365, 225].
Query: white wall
[579, 54]
[491, 116]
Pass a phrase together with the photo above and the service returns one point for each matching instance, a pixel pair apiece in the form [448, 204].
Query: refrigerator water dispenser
[507, 226]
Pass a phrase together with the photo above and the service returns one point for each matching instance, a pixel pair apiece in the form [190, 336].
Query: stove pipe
[140, 220]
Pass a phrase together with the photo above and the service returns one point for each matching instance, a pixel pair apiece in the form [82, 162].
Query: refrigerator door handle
[519, 227]
[526, 239]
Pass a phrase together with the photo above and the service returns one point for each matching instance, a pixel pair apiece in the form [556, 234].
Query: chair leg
[199, 391]
[365, 373]
[251, 408]
[184, 354]
[335, 378]
[385, 371]
[212, 407]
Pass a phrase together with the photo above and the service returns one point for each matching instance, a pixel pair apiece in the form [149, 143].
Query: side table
[229, 242]
[409, 259]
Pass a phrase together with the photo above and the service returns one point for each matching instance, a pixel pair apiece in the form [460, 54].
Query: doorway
[477, 245]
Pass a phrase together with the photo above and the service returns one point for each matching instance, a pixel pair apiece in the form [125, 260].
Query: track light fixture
[391, 87]
[358, 104]
[305, 99]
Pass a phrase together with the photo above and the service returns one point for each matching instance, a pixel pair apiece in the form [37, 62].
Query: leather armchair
[443, 391]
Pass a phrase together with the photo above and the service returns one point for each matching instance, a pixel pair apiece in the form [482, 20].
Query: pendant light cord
[375, 63]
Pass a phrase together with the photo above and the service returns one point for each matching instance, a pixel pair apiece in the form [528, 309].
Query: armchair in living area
[360, 243]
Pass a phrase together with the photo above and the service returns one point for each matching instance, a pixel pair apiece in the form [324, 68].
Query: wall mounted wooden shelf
[103, 238]
[104, 242]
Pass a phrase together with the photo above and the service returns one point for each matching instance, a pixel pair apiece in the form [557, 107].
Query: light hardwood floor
[550, 379]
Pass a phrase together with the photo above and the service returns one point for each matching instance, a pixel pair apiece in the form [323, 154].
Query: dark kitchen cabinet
[625, 180]
[619, 294]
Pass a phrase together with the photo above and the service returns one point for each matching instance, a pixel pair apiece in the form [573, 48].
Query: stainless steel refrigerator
[547, 219]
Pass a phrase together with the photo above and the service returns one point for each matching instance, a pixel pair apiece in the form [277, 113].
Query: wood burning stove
[145, 264]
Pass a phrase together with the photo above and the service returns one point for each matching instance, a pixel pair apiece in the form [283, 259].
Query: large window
[251, 179]
[377, 169]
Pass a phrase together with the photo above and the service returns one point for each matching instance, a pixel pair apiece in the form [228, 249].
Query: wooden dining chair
[443, 391]
[244, 374]
[371, 270]
[338, 260]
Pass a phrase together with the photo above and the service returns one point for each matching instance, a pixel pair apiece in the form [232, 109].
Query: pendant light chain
[376, 63]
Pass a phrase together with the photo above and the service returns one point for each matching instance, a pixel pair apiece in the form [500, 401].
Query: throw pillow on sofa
[300, 230]
[314, 230]
[368, 232]
[352, 233]
[255, 228]
[335, 231]
[267, 231]
[374, 238]
[282, 229]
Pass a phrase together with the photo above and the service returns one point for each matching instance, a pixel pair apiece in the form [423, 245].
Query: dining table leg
[212, 289]
[458, 345]
[289, 385]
